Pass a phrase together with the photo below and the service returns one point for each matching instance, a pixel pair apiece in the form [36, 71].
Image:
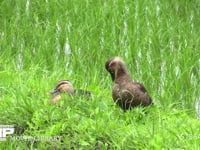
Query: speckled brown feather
[126, 93]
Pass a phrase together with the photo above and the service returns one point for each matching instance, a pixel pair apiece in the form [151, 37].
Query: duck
[65, 86]
[126, 93]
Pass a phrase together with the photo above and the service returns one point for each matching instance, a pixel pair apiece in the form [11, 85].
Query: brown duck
[66, 86]
[126, 93]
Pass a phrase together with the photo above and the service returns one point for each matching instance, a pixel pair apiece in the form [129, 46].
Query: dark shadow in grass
[103, 143]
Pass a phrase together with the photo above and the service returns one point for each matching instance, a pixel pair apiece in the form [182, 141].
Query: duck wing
[140, 86]
[83, 92]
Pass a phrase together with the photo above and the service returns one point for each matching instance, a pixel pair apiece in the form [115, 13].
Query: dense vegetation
[42, 42]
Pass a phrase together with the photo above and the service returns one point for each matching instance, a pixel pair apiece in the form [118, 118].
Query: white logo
[5, 130]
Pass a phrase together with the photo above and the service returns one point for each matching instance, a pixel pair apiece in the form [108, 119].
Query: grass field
[42, 42]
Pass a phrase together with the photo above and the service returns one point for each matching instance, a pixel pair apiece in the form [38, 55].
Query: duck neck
[122, 76]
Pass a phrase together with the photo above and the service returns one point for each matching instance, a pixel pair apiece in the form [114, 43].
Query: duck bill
[54, 91]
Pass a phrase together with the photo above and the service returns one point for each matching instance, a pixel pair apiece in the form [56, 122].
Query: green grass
[46, 41]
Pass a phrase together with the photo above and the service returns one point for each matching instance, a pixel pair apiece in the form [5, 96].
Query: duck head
[116, 66]
[63, 86]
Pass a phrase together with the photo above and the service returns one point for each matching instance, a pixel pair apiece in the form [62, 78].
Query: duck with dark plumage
[126, 93]
[66, 86]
